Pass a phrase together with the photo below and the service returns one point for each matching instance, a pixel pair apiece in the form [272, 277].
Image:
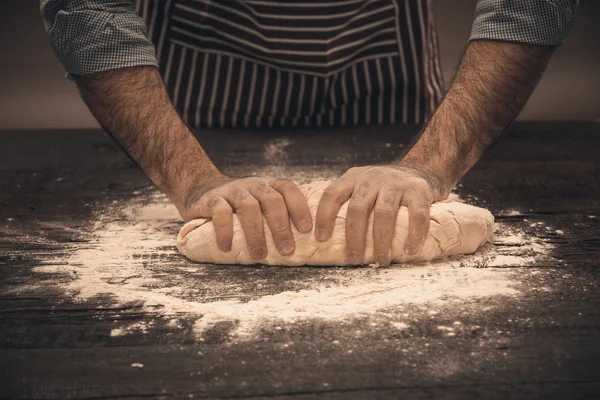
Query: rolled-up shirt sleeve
[542, 22]
[91, 36]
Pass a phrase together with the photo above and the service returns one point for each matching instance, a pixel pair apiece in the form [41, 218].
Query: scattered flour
[512, 213]
[133, 259]
[117, 332]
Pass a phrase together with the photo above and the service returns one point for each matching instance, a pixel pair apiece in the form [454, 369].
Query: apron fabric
[257, 64]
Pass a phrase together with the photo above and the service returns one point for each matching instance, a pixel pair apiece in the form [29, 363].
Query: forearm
[493, 83]
[132, 105]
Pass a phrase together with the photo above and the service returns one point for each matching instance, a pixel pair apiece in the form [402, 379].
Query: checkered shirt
[97, 35]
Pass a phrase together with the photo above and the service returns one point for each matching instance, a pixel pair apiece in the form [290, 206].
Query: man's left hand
[381, 190]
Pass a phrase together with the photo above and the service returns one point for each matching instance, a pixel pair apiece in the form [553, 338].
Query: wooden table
[542, 344]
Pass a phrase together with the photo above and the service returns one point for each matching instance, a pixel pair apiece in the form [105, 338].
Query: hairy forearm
[132, 105]
[493, 83]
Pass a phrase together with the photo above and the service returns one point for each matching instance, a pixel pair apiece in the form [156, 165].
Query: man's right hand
[133, 106]
[219, 196]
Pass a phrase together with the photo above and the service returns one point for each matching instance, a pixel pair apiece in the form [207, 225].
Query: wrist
[440, 184]
[434, 160]
[184, 191]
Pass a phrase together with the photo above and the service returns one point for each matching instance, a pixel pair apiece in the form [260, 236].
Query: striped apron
[267, 63]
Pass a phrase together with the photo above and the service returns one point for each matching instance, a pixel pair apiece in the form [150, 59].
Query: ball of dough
[455, 228]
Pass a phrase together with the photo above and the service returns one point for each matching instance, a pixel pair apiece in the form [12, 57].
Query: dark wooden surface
[545, 344]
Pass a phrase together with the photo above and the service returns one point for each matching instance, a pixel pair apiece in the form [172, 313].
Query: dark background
[35, 95]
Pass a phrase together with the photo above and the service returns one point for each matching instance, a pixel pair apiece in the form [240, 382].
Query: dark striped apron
[267, 63]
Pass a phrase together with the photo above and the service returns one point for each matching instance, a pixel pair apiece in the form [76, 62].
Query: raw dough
[456, 228]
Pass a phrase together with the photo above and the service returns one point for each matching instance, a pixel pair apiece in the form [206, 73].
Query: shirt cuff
[541, 22]
[94, 41]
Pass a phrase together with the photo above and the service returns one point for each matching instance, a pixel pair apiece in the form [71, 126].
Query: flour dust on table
[129, 258]
[455, 228]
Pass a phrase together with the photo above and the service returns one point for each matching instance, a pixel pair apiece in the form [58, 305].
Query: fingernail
[382, 259]
[321, 235]
[353, 258]
[225, 246]
[259, 253]
[286, 248]
[411, 251]
[305, 225]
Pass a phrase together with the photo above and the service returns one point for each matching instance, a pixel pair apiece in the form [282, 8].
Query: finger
[359, 209]
[250, 215]
[296, 204]
[419, 205]
[333, 197]
[222, 217]
[384, 223]
[276, 214]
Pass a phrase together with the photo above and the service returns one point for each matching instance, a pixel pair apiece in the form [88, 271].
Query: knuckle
[362, 190]
[410, 182]
[375, 170]
[330, 194]
[404, 187]
[249, 205]
[383, 213]
[351, 172]
[419, 184]
[273, 197]
[280, 226]
[238, 194]
[249, 201]
[253, 230]
[418, 199]
[272, 204]
[213, 202]
[382, 237]
[422, 203]
[262, 189]
[287, 186]
[352, 225]
[357, 207]
[419, 217]
[388, 199]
